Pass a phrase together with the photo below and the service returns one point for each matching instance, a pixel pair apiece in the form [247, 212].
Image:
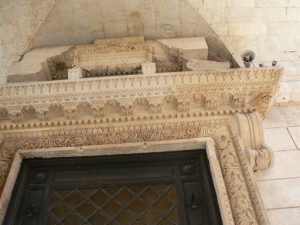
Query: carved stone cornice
[137, 97]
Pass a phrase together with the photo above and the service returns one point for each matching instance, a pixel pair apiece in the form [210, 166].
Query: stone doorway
[157, 188]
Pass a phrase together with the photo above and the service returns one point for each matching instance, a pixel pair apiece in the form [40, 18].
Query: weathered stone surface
[286, 115]
[191, 48]
[274, 119]
[279, 139]
[33, 66]
[295, 132]
[148, 68]
[39, 27]
[287, 216]
[244, 29]
[75, 73]
[280, 193]
[204, 65]
[295, 86]
[285, 165]
[241, 4]
[123, 56]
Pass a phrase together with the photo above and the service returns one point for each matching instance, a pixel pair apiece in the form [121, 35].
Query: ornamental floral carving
[203, 92]
[218, 129]
[144, 108]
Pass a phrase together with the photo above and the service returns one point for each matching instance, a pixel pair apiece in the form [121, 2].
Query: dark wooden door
[141, 189]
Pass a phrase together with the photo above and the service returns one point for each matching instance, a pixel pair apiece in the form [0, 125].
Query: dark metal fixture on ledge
[248, 58]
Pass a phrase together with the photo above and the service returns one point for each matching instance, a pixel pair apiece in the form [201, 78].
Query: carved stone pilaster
[250, 130]
[238, 194]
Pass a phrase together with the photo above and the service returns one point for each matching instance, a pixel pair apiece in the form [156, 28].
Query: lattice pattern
[126, 205]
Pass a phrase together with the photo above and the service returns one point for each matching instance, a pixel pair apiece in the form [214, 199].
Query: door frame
[128, 148]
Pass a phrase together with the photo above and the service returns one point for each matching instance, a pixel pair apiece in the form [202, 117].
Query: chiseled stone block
[191, 48]
[215, 3]
[280, 193]
[204, 65]
[274, 118]
[244, 15]
[273, 14]
[285, 93]
[284, 30]
[247, 29]
[148, 68]
[240, 4]
[294, 3]
[295, 132]
[286, 165]
[295, 86]
[213, 16]
[75, 73]
[279, 139]
[272, 3]
[293, 14]
[290, 216]
[3, 80]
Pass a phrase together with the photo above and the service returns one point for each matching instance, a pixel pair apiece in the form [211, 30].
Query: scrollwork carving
[55, 111]
[85, 109]
[260, 159]
[249, 128]
[238, 194]
[213, 92]
[240, 202]
[4, 114]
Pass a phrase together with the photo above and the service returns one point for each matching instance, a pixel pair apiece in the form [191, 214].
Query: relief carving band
[116, 93]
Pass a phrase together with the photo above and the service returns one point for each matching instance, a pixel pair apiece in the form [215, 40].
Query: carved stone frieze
[111, 54]
[205, 93]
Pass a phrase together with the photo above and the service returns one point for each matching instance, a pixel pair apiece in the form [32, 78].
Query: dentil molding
[142, 97]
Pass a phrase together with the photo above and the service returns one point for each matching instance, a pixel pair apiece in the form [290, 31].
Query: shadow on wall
[73, 22]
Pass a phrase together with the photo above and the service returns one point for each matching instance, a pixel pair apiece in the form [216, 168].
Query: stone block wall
[271, 28]
[19, 21]
[280, 184]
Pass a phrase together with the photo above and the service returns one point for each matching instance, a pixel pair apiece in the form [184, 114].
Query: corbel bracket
[250, 130]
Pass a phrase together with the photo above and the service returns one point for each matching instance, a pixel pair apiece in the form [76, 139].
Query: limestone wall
[19, 21]
[271, 28]
[280, 184]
